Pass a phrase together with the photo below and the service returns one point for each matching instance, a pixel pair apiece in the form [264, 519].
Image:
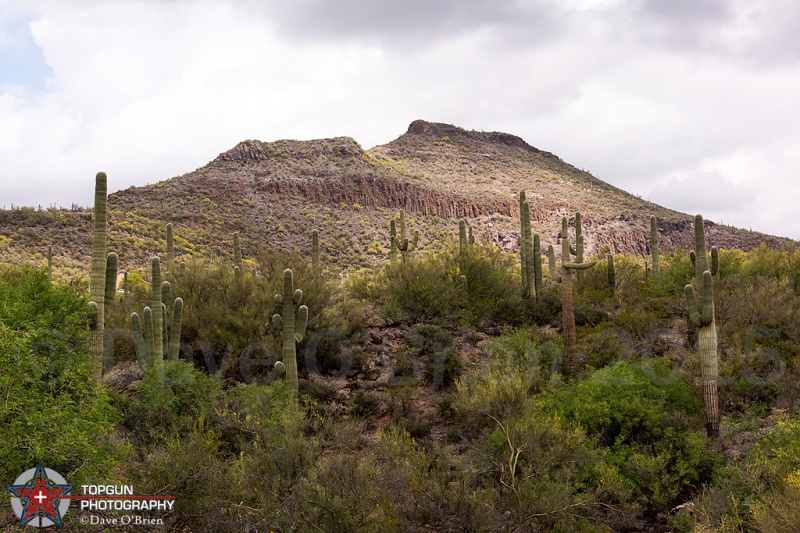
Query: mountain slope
[275, 193]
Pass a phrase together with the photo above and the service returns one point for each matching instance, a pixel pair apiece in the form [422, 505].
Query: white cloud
[642, 97]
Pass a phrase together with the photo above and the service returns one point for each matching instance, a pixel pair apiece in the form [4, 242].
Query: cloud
[637, 92]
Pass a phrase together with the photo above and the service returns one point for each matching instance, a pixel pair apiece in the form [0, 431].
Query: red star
[40, 497]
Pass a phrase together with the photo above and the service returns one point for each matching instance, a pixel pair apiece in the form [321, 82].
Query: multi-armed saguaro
[292, 332]
[156, 338]
[567, 304]
[402, 243]
[700, 304]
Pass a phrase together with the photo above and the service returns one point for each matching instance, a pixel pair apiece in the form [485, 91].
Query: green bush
[170, 398]
[52, 413]
[648, 418]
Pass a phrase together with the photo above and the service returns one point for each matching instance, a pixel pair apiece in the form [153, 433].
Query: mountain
[275, 193]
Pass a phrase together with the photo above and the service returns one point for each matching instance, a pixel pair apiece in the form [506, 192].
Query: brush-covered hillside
[275, 193]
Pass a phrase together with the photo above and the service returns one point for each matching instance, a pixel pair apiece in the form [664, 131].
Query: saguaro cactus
[465, 238]
[654, 246]
[530, 253]
[403, 243]
[700, 305]
[567, 304]
[392, 242]
[156, 338]
[315, 250]
[97, 277]
[49, 263]
[292, 331]
[170, 249]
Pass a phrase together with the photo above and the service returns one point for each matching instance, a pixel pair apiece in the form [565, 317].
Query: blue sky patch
[21, 60]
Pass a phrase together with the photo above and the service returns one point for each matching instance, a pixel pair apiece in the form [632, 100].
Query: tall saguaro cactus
[700, 305]
[155, 305]
[315, 250]
[97, 277]
[170, 249]
[292, 331]
[654, 246]
[567, 304]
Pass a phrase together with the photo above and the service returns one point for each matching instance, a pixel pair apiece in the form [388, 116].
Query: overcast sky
[693, 104]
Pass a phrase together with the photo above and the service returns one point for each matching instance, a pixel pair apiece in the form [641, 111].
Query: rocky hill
[275, 193]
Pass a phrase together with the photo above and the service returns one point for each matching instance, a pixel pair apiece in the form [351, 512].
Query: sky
[692, 104]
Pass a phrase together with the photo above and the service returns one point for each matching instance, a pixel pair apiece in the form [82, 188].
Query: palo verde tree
[700, 304]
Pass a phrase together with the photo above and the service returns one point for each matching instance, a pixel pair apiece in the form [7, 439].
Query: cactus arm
[691, 305]
[551, 261]
[277, 321]
[579, 266]
[138, 340]
[110, 295]
[462, 279]
[302, 323]
[714, 261]
[175, 334]
[147, 315]
[166, 292]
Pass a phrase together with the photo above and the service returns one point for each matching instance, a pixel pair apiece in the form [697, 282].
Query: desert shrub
[171, 397]
[647, 417]
[53, 413]
[541, 466]
[364, 404]
[428, 339]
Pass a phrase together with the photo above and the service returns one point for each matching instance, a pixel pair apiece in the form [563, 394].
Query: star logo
[40, 497]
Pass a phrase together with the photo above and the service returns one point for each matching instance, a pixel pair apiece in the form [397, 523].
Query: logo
[41, 497]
